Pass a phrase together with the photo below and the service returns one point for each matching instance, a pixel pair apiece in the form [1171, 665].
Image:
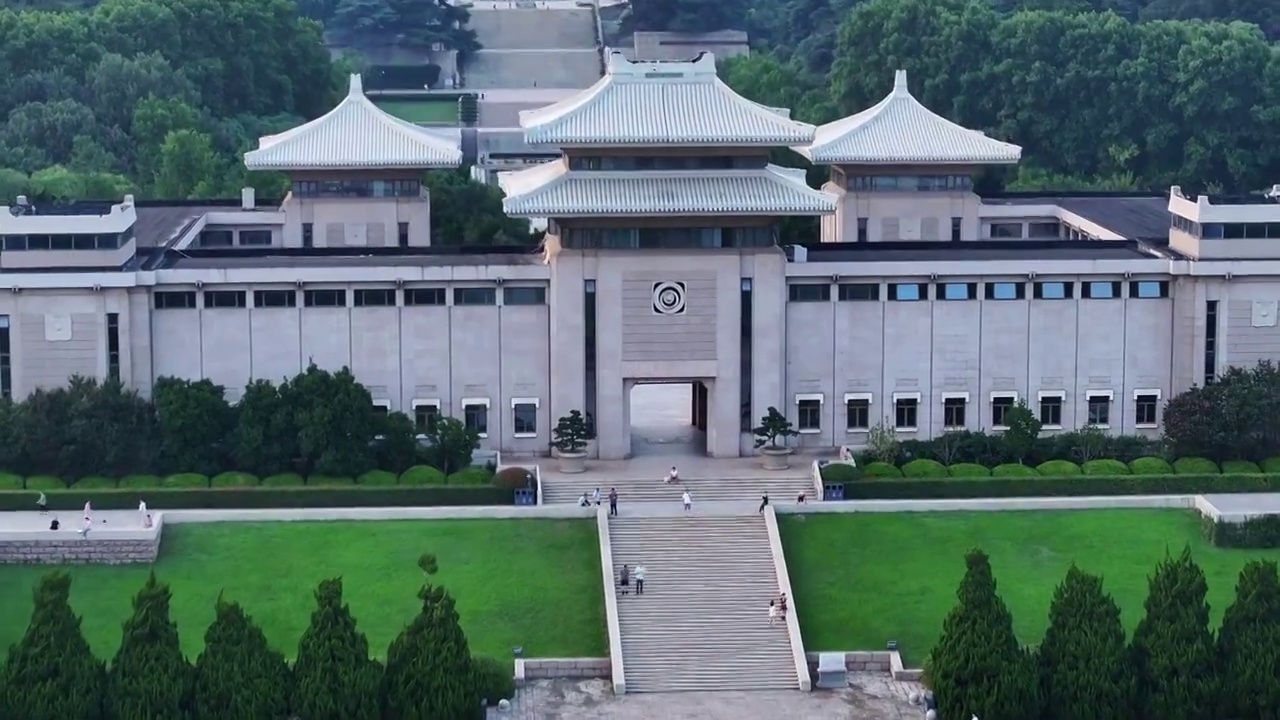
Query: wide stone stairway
[703, 620]
[533, 47]
[783, 487]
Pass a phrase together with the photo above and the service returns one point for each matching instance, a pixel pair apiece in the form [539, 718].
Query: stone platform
[116, 538]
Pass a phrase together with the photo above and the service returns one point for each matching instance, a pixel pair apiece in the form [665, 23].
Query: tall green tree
[464, 212]
[335, 679]
[451, 444]
[429, 674]
[1084, 659]
[1173, 651]
[334, 416]
[265, 439]
[238, 675]
[150, 678]
[1249, 645]
[195, 422]
[977, 667]
[51, 674]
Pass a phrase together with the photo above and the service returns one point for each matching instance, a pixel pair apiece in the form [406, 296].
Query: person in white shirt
[142, 513]
[687, 500]
[88, 525]
[595, 496]
[640, 579]
[673, 476]
[773, 612]
[88, 512]
[583, 501]
[42, 503]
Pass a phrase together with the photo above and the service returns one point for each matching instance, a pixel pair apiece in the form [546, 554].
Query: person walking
[142, 513]
[42, 504]
[595, 496]
[800, 498]
[764, 501]
[773, 612]
[640, 579]
[624, 579]
[613, 501]
[88, 513]
[687, 500]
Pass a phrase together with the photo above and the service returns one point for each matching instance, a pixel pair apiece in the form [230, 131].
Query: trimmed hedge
[1271, 465]
[138, 482]
[1195, 466]
[284, 480]
[1014, 470]
[379, 478]
[95, 482]
[1104, 467]
[1077, 486]
[186, 480]
[234, 479]
[9, 481]
[329, 481]
[1256, 533]
[514, 477]
[881, 470]
[1058, 468]
[968, 470]
[836, 473]
[470, 476]
[924, 468]
[263, 497]
[1150, 466]
[45, 482]
[422, 475]
[1240, 467]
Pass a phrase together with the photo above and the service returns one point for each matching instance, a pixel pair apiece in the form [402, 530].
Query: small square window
[862, 229]
[307, 235]
[905, 413]
[907, 292]
[171, 300]
[475, 296]
[424, 296]
[1146, 409]
[275, 298]
[525, 419]
[524, 296]
[1006, 291]
[225, 299]
[809, 292]
[957, 291]
[1149, 289]
[857, 414]
[809, 415]
[1101, 290]
[1000, 406]
[475, 416]
[381, 408]
[1006, 230]
[859, 291]
[1100, 410]
[425, 415]
[402, 232]
[953, 413]
[955, 229]
[1051, 411]
[375, 297]
[1053, 291]
[324, 298]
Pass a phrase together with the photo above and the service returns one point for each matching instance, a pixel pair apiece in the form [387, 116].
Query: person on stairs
[673, 477]
[583, 501]
[613, 501]
[595, 497]
[764, 501]
[640, 579]
[687, 500]
[624, 580]
[773, 612]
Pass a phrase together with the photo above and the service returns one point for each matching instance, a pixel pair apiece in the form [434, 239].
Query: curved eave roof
[552, 191]
[900, 130]
[355, 135]
[656, 103]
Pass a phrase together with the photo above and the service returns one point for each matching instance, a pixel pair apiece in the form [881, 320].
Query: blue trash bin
[526, 496]
[833, 492]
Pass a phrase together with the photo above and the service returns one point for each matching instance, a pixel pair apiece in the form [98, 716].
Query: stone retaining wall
[547, 668]
[886, 661]
[77, 550]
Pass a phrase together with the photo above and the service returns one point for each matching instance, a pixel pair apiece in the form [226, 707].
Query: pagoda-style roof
[355, 135]
[899, 130]
[552, 190]
[661, 103]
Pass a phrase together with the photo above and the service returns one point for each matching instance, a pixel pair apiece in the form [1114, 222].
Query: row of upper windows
[356, 188]
[370, 297]
[107, 241]
[1227, 231]
[955, 410]
[1047, 290]
[908, 183]
[227, 238]
[475, 415]
[724, 162]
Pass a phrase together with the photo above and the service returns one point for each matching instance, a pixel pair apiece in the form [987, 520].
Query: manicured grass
[421, 111]
[862, 579]
[532, 583]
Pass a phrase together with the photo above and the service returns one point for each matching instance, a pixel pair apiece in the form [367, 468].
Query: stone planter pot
[573, 462]
[776, 458]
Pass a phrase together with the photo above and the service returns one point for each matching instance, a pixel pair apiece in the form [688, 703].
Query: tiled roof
[355, 135]
[661, 103]
[551, 190]
[899, 130]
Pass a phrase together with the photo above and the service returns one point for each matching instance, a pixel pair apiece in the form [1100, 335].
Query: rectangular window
[809, 292]
[957, 291]
[1003, 231]
[907, 292]
[524, 296]
[307, 235]
[905, 413]
[113, 346]
[324, 298]
[524, 417]
[6, 359]
[425, 414]
[255, 238]
[375, 297]
[857, 413]
[862, 229]
[953, 412]
[1146, 406]
[955, 229]
[175, 300]
[1044, 230]
[858, 291]
[225, 298]
[1001, 404]
[216, 238]
[381, 408]
[275, 298]
[1053, 290]
[745, 419]
[1099, 409]
[1101, 290]
[475, 296]
[424, 296]
[1006, 291]
[1149, 289]
[589, 351]
[1210, 341]
[1051, 410]
[475, 416]
[808, 414]
[402, 232]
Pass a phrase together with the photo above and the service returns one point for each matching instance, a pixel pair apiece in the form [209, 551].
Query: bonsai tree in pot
[570, 441]
[771, 436]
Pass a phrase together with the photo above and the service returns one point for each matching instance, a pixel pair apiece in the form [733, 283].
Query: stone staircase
[783, 487]
[528, 47]
[703, 621]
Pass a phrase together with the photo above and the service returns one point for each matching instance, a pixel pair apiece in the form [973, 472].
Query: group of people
[42, 504]
[585, 501]
[624, 579]
[778, 609]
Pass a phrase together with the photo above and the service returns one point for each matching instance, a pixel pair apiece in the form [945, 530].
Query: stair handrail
[611, 602]
[784, 586]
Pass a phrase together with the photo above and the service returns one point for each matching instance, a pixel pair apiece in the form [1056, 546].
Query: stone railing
[815, 470]
[102, 545]
[885, 661]
[551, 668]
[614, 627]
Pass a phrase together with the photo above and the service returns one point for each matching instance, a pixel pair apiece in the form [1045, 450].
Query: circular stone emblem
[669, 298]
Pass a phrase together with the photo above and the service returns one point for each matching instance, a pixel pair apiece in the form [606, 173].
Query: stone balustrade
[886, 661]
[549, 668]
[116, 538]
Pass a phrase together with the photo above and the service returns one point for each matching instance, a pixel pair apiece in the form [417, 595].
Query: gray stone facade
[75, 550]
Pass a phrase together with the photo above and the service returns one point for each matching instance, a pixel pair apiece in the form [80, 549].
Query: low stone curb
[554, 668]
[886, 661]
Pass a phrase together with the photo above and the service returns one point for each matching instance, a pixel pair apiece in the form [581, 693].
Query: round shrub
[1104, 467]
[924, 469]
[1195, 466]
[1058, 468]
[494, 679]
[140, 482]
[380, 478]
[283, 480]
[1014, 470]
[1240, 467]
[95, 482]
[1271, 465]
[234, 480]
[470, 476]
[1150, 466]
[840, 473]
[422, 475]
[329, 481]
[45, 482]
[514, 478]
[969, 470]
[881, 470]
[186, 480]
[9, 481]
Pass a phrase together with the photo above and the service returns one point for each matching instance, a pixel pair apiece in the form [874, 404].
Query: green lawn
[421, 111]
[861, 579]
[533, 583]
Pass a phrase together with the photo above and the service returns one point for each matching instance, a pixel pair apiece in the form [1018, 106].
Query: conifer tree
[429, 670]
[1173, 650]
[334, 679]
[1249, 645]
[51, 674]
[978, 667]
[239, 676]
[1084, 658]
[150, 678]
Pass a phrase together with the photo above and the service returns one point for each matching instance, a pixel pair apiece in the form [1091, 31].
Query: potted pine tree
[570, 441]
[771, 438]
